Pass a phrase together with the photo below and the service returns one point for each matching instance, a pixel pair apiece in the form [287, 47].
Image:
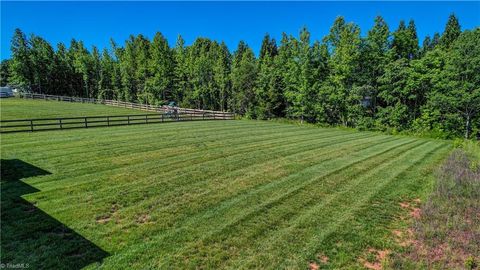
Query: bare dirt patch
[404, 205]
[323, 259]
[412, 206]
[397, 233]
[143, 218]
[380, 258]
[313, 266]
[416, 213]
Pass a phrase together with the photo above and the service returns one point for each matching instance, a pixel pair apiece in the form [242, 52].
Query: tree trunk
[467, 127]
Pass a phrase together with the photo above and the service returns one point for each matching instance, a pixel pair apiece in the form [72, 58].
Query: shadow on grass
[29, 235]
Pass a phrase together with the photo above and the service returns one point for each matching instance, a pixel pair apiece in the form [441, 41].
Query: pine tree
[268, 47]
[405, 41]
[413, 40]
[63, 72]
[320, 73]
[306, 96]
[291, 77]
[82, 63]
[128, 67]
[200, 62]
[42, 61]
[374, 57]
[21, 66]
[5, 72]
[106, 84]
[117, 86]
[181, 79]
[142, 72]
[426, 45]
[280, 77]
[394, 95]
[221, 77]
[243, 80]
[435, 40]
[459, 95]
[161, 66]
[95, 72]
[266, 99]
[451, 33]
[344, 42]
[429, 44]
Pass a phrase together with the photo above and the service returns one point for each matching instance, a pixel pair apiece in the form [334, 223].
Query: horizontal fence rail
[116, 103]
[43, 124]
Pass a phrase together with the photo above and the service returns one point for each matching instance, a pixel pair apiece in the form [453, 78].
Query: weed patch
[446, 229]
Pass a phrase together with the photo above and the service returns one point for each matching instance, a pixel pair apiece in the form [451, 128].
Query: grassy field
[213, 194]
[16, 108]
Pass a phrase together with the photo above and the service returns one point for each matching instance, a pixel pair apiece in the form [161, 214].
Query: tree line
[381, 81]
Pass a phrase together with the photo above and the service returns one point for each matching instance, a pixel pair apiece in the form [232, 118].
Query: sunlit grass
[233, 194]
[17, 108]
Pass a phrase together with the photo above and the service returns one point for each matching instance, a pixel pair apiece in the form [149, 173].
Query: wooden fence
[42, 124]
[116, 103]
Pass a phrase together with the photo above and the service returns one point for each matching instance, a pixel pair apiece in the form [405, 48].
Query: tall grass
[447, 235]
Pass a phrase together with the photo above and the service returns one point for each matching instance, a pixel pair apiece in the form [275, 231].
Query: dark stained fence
[42, 124]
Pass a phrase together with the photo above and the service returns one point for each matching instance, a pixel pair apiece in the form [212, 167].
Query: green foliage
[268, 99]
[4, 72]
[383, 81]
[472, 150]
[243, 78]
[180, 71]
[21, 63]
[452, 31]
[405, 42]
[471, 263]
[456, 93]
[159, 83]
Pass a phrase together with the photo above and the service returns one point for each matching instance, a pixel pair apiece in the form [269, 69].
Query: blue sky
[96, 22]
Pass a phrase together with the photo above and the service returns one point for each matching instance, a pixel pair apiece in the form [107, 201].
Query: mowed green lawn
[17, 108]
[214, 194]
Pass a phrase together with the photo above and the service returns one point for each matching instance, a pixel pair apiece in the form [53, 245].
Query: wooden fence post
[146, 118]
[31, 125]
[108, 121]
[60, 121]
[128, 119]
[86, 125]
